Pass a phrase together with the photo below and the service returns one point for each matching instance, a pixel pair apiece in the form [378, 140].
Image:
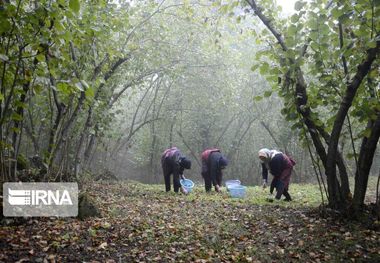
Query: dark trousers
[280, 189]
[169, 167]
[209, 182]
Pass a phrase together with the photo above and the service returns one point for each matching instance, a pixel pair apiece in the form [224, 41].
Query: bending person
[280, 166]
[173, 162]
[213, 162]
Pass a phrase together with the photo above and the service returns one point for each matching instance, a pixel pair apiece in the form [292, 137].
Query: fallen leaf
[103, 245]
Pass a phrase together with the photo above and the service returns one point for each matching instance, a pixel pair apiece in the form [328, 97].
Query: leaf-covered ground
[142, 223]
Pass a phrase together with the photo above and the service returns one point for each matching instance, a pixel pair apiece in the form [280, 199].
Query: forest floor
[142, 223]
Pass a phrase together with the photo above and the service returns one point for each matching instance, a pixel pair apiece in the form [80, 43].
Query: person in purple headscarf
[280, 166]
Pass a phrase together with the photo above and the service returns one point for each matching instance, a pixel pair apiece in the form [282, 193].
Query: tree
[59, 63]
[329, 47]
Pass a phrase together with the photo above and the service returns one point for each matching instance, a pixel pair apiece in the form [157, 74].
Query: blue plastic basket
[231, 183]
[237, 191]
[187, 184]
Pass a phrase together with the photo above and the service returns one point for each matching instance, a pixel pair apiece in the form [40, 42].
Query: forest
[94, 91]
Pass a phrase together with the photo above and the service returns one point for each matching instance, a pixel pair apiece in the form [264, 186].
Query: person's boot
[270, 198]
[287, 197]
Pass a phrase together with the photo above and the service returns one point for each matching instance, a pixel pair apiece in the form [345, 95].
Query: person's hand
[182, 177]
[217, 188]
[264, 184]
[184, 191]
[270, 198]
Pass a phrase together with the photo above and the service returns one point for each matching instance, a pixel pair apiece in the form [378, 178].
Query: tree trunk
[339, 195]
[337, 198]
[367, 153]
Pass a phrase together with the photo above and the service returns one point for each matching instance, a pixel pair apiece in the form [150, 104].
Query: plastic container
[237, 191]
[187, 184]
[231, 183]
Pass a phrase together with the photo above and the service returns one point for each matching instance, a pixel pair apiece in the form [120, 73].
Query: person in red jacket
[280, 166]
[213, 162]
[173, 162]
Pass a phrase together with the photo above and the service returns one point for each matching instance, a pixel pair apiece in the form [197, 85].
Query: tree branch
[268, 24]
[188, 147]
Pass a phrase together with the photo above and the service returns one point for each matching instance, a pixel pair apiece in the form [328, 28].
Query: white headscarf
[264, 153]
[268, 154]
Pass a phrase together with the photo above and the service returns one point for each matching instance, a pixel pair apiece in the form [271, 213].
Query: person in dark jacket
[173, 162]
[280, 166]
[213, 162]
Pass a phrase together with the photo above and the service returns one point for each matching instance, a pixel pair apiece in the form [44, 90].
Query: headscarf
[264, 152]
[185, 162]
[268, 154]
[223, 162]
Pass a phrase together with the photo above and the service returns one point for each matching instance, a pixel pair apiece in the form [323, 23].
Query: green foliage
[74, 5]
[62, 81]
[55, 56]
[317, 27]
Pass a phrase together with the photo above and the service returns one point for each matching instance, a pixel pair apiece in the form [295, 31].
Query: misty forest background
[93, 91]
[100, 88]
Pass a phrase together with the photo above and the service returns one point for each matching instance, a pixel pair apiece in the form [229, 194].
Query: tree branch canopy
[267, 23]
